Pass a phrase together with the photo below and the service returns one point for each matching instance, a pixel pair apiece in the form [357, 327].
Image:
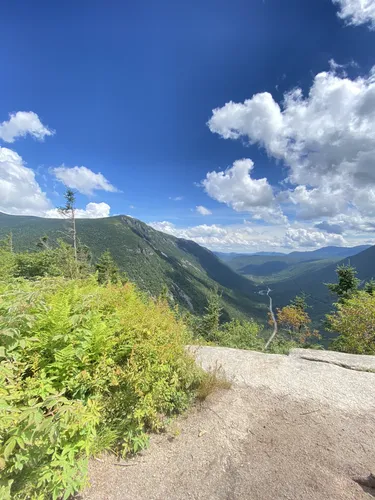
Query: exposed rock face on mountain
[291, 427]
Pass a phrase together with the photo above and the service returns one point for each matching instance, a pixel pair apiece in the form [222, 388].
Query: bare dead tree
[273, 320]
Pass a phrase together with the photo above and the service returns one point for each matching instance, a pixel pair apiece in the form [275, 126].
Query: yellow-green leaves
[83, 368]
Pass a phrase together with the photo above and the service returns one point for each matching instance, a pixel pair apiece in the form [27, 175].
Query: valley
[155, 260]
[150, 259]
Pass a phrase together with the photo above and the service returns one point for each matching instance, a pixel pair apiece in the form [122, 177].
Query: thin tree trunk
[274, 322]
[74, 234]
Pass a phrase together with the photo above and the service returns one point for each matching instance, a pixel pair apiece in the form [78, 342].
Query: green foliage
[208, 324]
[7, 243]
[236, 333]
[70, 201]
[7, 265]
[240, 334]
[370, 287]
[149, 258]
[354, 320]
[282, 345]
[107, 270]
[347, 284]
[59, 261]
[300, 302]
[82, 368]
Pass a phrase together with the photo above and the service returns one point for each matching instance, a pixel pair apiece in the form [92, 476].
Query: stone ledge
[360, 362]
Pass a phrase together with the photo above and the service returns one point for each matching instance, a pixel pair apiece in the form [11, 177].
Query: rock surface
[289, 428]
[351, 361]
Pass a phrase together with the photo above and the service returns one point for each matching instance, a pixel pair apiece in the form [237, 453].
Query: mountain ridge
[150, 258]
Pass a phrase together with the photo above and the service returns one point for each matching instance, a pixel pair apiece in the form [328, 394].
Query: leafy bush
[354, 320]
[82, 368]
[240, 335]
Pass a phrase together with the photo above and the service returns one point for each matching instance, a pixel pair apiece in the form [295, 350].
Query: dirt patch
[247, 444]
[283, 433]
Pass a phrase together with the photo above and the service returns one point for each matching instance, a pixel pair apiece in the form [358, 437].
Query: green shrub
[354, 320]
[240, 335]
[83, 368]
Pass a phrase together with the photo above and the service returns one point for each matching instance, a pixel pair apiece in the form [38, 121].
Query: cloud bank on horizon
[323, 140]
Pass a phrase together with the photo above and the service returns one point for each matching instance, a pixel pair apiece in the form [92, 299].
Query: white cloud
[301, 238]
[326, 139]
[176, 198]
[353, 223]
[317, 202]
[92, 211]
[83, 179]
[236, 188]
[21, 124]
[20, 193]
[328, 227]
[247, 238]
[357, 12]
[218, 237]
[203, 210]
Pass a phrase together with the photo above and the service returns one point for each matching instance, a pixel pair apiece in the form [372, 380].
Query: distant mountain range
[290, 274]
[150, 258]
[261, 266]
[226, 257]
[320, 253]
[313, 283]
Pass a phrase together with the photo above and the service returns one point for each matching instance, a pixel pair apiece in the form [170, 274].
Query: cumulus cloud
[216, 236]
[20, 193]
[82, 179]
[357, 12]
[203, 210]
[328, 227]
[21, 124]
[236, 188]
[300, 237]
[353, 222]
[247, 238]
[317, 202]
[92, 211]
[326, 139]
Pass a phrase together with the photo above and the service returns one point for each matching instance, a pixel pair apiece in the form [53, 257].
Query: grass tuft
[213, 380]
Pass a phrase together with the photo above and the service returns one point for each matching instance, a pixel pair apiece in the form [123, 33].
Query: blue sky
[128, 91]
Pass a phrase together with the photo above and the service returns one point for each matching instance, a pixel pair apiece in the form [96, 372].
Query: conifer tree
[347, 285]
[108, 272]
[210, 322]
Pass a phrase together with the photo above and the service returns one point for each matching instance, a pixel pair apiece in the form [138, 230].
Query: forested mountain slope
[150, 258]
[275, 268]
[313, 283]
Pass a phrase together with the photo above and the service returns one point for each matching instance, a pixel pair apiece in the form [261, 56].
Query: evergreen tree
[370, 287]
[43, 243]
[108, 272]
[210, 322]
[347, 285]
[300, 302]
[69, 211]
